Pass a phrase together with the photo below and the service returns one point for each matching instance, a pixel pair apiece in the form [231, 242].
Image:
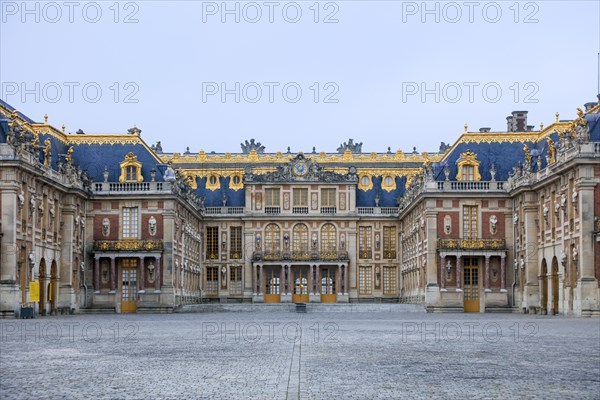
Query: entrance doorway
[471, 284]
[555, 285]
[272, 284]
[328, 285]
[544, 295]
[129, 289]
[300, 294]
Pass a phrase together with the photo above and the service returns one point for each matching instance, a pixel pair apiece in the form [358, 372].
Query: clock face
[300, 168]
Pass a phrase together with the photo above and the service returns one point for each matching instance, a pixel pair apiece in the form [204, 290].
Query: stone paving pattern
[254, 355]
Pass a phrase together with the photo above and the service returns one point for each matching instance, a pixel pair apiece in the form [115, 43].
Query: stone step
[310, 307]
[96, 310]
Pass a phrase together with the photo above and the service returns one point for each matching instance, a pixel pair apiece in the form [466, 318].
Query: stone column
[261, 284]
[338, 280]
[486, 276]
[282, 281]
[142, 275]
[157, 275]
[97, 274]
[587, 285]
[113, 275]
[346, 278]
[443, 273]
[459, 273]
[503, 273]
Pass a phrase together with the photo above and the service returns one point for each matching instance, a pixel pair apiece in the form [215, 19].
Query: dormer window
[468, 167]
[131, 169]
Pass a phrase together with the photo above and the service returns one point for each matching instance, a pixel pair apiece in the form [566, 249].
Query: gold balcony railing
[471, 244]
[389, 254]
[128, 245]
[299, 256]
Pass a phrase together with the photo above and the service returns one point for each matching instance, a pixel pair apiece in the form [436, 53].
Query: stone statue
[152, 225]
[493, 224]
[248, 146]
[105, 226]
[355, 148]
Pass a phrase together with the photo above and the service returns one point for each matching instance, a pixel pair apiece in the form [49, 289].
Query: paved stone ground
[309, 356]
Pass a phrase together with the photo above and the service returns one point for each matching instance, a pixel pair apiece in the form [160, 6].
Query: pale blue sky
[376, 49]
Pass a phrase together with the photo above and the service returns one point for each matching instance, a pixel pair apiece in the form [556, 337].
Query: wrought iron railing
[328, 210]
[299, 256]
[128, 245]
[299, 210]
[272, 210]
[471, 244]
[389, 254]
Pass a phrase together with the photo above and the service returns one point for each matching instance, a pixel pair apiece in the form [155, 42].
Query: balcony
[273, 210]
[300, 256]
[224, 211]
[328, 210]
[471, 244]
[387, 211]
[389, 255]
[299, 210]
[128, 245]
[470, 186]
[110, 188]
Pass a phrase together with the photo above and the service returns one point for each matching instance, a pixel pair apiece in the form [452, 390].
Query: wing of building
[498, 221]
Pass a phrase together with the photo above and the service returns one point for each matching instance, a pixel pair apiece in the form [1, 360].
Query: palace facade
[496, 222]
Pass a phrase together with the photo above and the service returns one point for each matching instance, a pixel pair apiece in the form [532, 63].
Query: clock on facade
[300, 168]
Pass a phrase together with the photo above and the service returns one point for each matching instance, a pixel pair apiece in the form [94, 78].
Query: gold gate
[300, 294]
[328, 285]
[272, 284]
[471, 284]
[129, 289]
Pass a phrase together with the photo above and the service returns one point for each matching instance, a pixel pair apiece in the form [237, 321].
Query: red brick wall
[440, 225]
[159, 227]
[114, 227]
[485, 225]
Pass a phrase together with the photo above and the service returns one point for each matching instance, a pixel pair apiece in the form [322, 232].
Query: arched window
[468, 167]
[328, 240]
[272, 240]
[300, 241]
[131, 169]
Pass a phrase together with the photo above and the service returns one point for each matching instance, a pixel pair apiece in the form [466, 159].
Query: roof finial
[556, 116]
[63, 128]
[541, 126]
[46, 119]
[466, 127]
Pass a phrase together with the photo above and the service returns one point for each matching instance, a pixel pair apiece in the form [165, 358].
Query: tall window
[271, 197]
[365, 279]
[272, 239]
[468, 172]
[328, 241]
[389, 281]
[235, 280]
[130, 222]
[389, 242]
[235, 245]
[131, 173]
[212, 280]
[300, 197]
[470, 222]
[327, 197]
[300, 241]
[212, 242]
[365, 242]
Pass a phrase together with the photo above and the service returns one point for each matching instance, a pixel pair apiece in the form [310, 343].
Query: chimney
[509, 123]
[519, 121]
[485, 130]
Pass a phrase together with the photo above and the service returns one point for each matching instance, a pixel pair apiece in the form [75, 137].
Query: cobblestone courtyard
[277, 355]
